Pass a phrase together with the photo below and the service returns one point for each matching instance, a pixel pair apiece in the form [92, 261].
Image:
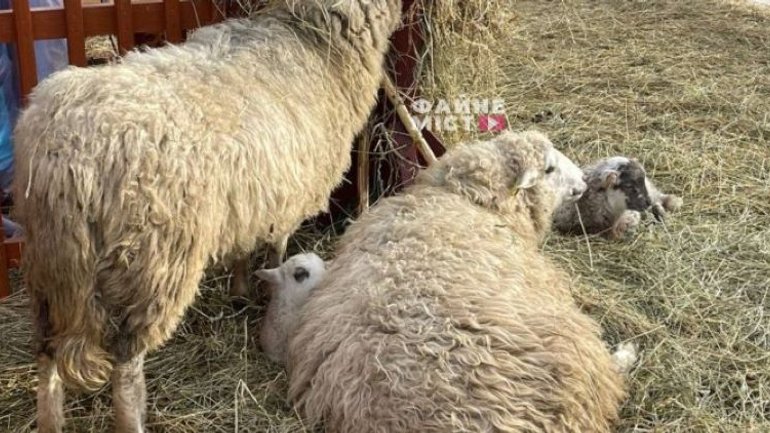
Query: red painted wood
[125, 26]
[99, 19]
[76, 36]
[25, 47]
[173, 23]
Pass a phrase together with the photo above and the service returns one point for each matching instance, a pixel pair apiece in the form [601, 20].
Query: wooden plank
[76, 36]
[173, 23]
[5, 281]
[25, 47]
[125, 26]
[13, 249]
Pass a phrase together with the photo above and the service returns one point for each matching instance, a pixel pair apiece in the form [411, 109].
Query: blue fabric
[8, 109]
[50, 56]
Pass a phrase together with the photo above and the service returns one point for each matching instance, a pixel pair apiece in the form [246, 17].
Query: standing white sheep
[290, 284]
[134, 177]
[439, 313]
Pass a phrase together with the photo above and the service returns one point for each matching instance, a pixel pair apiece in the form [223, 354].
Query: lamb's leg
[627, 221]
[239, 285]
[129, 395]
[50, 397]
[277, 252]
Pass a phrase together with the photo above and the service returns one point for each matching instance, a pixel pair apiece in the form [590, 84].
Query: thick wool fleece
[439, 314]
[133, 177]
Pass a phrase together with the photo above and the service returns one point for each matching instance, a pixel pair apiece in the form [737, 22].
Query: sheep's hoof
[239, 303]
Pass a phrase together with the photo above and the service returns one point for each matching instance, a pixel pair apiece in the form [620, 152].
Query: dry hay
[683, 86]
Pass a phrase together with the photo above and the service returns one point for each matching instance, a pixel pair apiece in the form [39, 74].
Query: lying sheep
[134, 177]
[613, 202]
[439, 313]
[619, 191]
[290, 284]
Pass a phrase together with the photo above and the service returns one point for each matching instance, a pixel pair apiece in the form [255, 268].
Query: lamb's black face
[632, 184]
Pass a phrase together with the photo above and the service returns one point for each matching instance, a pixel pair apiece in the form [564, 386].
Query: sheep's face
[624, 182]
[296, 277]
[564, 177]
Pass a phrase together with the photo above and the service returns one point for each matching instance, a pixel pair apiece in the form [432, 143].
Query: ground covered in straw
[682, 85]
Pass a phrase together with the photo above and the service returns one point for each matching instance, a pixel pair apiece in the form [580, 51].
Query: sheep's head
[517, 173]
[566, 178]
[296, 277]
[622, 180]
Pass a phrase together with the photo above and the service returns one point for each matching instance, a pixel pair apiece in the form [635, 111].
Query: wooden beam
[25, 48]
[76, 36]
[125, 24]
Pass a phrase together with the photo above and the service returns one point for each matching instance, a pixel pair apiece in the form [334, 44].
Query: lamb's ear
[610, 178]
[272, 276]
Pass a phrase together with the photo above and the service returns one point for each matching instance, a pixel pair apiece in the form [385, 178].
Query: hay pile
[683, 86]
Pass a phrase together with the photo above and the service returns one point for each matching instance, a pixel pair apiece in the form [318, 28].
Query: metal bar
[25, 46]
[76, 37]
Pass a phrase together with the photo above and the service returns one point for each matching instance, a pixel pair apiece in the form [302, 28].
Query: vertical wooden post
[173, 24]
[5, 281]
[124, 21]
[76, 36]
[25, 47]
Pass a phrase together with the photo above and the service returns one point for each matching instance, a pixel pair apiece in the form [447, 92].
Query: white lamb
[290, 284]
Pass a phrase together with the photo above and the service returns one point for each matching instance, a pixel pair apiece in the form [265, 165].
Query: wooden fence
[75, 21]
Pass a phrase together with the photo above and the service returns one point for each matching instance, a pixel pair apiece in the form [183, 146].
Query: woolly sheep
[440, 314]
[290, 284]
[612, 204]
[134, 177]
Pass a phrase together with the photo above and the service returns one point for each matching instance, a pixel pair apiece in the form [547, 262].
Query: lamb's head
[622, 180]
[513, 173]
[296, 277]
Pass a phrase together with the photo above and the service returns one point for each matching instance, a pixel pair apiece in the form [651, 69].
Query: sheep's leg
[239, 285]
[50, 397]
[277, 252]
[129, 395]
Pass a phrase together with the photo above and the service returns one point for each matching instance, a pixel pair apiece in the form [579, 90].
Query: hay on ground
[683, 86]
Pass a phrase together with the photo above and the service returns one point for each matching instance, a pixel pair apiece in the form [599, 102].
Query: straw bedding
[684, 86]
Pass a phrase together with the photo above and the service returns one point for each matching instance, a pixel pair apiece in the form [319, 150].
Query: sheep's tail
[60, 264]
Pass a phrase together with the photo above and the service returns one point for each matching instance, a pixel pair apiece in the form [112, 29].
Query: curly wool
[132, 178]
[439, 314]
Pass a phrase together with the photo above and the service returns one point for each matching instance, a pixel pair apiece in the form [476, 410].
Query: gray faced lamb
[290, 284]
[612, 204]
[440, 314]
[132, 178]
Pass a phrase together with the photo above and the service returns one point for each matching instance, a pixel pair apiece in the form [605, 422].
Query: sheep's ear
[527, 179]
[272, 276]
[610, 178]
